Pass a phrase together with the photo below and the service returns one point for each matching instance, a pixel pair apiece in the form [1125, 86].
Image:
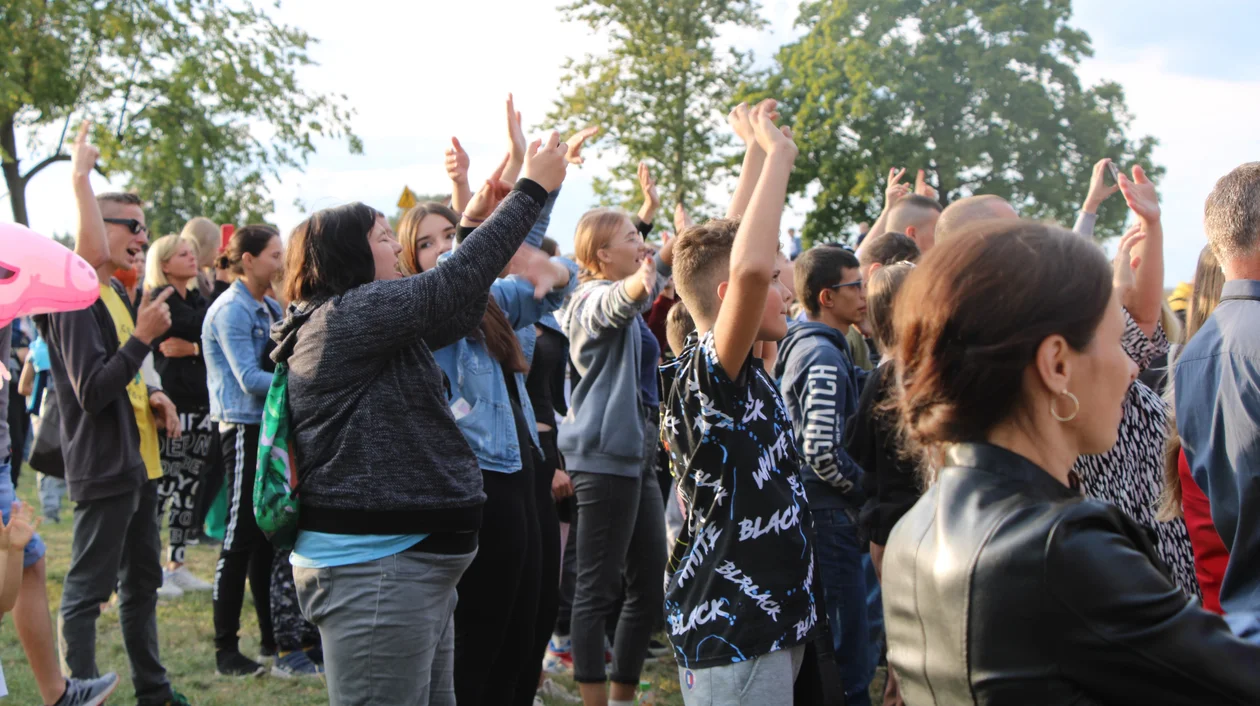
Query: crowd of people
[952, 451]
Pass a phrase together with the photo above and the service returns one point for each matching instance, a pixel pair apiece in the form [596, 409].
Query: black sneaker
[88, 692]
[235, 664]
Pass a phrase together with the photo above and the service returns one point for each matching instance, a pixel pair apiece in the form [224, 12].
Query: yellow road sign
[408, 198]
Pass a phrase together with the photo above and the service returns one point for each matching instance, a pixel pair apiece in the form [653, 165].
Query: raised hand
[21, 526]
[771, 137]
[922, 188]
[1125, 265]
[1098, 188]
[740, 121]
[457, 162]
[516, 142]
[575, 142]
[488, 196]
[84, 154]
[895, 189]
[647, 272]
[535, 267]
[154, 317]
[545, 162]
[682, 221]
[667, 249]
[165, 414]
[1140, 194]
[648, 186]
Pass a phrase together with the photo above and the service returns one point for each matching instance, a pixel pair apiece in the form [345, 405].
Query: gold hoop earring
[1075, 411]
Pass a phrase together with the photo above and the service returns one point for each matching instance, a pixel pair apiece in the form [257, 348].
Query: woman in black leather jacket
[1003, 585]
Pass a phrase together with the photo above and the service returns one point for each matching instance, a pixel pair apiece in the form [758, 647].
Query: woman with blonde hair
[173, 264]
[609, 443]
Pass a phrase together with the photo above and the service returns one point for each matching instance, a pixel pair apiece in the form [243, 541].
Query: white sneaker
[169, 590]
[555, 692]
[184, 579]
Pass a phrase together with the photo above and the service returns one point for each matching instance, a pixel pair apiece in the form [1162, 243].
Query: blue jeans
[874, 609]
[844, 586]
[34, 550]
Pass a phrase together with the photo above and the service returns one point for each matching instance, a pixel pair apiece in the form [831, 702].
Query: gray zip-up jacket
[377, 447]
[603, 431]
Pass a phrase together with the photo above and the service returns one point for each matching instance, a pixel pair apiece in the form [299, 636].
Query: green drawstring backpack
[275, 482]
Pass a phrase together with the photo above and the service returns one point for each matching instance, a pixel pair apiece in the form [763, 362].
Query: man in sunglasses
[821, 385]
[110, 422]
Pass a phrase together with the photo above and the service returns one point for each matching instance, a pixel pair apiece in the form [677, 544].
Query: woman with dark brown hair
[496, 661]
[1182, 497]
[1003, 585]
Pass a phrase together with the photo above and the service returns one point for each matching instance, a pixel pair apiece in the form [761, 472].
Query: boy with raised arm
[740, 600]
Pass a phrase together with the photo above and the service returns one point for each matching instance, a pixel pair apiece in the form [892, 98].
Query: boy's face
[774, 316]
[848, 301]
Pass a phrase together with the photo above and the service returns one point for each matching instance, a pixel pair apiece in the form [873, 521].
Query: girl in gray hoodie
[609, 442]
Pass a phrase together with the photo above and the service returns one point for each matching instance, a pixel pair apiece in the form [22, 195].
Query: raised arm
[516, 142]
[1146, 299]
[651, 200]
[892, 192]
[754, 160]
[756, 244]
[90, 242]
[391, 312]
[1098, 192]
[517, 294]
[614, 306]
[457, 171]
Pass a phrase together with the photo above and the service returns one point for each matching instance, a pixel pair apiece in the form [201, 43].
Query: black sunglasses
[135, 226]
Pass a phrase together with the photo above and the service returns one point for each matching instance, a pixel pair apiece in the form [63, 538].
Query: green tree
[660, 93]
[983, 94]
[196, 102]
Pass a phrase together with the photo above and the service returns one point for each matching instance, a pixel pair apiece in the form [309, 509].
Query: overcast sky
[418, 73]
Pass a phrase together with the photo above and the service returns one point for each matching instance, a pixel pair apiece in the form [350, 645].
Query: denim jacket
[233, 338]
[479, 396]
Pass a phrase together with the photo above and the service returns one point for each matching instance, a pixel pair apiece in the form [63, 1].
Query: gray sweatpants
[761, 681]
[115, 543]
[387, 626]
[620, 533]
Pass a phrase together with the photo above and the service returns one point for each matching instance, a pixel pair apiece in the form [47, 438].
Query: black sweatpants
[245, 548]
[495, 617]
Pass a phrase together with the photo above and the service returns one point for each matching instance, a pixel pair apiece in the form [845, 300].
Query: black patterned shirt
[741, 576]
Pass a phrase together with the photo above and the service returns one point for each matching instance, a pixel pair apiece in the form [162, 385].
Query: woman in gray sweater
[390, 492]
[609, 442]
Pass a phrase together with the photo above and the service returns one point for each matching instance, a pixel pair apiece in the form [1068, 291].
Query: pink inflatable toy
[39, 276]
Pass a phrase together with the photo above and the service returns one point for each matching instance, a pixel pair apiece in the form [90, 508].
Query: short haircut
[117, 198]
[702, 261]
[550, 247]
[678, 326]
[819, 268]
[964, 212]
[887, 248]
[1231, 215]
[912, 210]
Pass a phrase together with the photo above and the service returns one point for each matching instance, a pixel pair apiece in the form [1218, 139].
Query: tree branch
[59, 157]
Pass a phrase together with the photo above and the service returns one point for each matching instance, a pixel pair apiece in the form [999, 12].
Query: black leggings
[245, 548]
[549, 554]
[495, 660]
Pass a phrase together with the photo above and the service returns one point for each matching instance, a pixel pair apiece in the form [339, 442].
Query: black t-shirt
[546, 375]
[741, 576]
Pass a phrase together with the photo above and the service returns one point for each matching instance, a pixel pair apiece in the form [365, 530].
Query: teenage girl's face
[385, 249]
[435, 238]
[265, 266]
[623, 254]
[182, 264]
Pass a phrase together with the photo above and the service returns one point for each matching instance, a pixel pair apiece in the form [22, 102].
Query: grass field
[186, 631]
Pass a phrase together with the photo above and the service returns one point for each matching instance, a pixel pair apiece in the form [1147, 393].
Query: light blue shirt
[321, 550]
[1217, 384]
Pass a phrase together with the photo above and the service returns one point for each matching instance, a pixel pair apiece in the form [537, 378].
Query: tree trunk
[13, 178]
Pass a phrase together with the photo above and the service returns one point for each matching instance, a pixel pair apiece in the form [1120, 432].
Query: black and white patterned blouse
[1131, 475]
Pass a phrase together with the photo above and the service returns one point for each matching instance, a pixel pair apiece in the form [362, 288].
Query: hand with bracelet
[179, 348]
